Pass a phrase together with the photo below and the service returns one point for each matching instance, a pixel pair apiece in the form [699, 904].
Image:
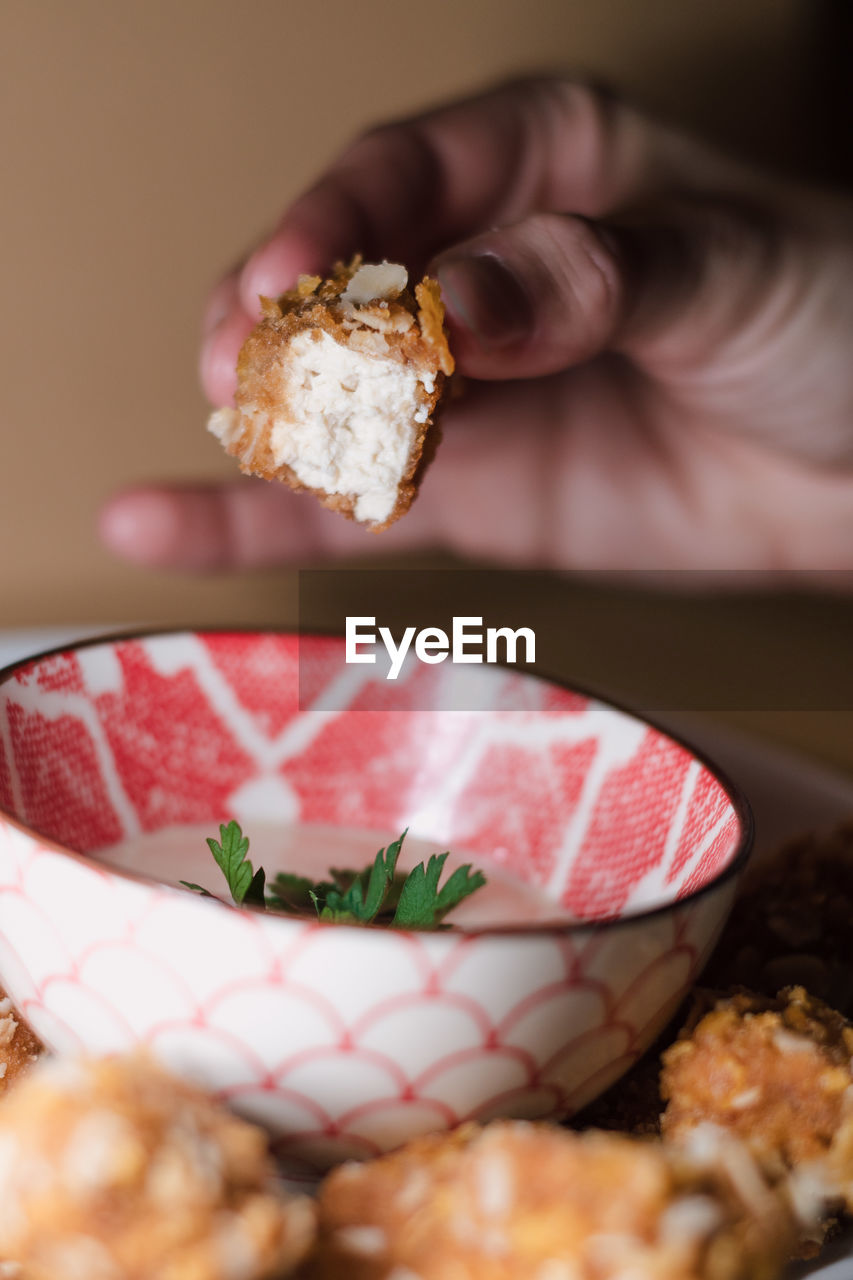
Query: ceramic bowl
[343, 1040]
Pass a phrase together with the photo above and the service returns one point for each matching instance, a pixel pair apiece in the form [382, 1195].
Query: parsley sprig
[378, 894]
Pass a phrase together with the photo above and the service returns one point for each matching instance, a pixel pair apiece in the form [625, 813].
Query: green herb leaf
[381, 877]
[339, 915]
[462, 883]
[235, 866]
[342, 877]
[376, 894]
[422, 905]
[196, 888]
[254, 896]
[291, 893]
[362, 901]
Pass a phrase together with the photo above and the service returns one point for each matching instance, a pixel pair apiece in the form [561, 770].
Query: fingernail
[485, 296]
[264, 274]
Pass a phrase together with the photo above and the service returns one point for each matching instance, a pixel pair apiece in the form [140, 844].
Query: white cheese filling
[347, 422]
[225, 425]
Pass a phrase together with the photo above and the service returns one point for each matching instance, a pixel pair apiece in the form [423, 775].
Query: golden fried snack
[513, 1200]
[792, 923]
[114, 1169]
[840, 1159]
[19, 1046]
[772, 1072]
[337, 388]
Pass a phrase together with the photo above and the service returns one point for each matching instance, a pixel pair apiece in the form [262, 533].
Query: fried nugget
[338, 387]
[840, 1159]
[115, 1169]
[777, 1075]
[514, 1200]
[772, 1072]
[792, 923]
[19, 1046]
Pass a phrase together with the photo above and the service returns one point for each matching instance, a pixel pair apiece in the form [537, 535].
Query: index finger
[406, 190]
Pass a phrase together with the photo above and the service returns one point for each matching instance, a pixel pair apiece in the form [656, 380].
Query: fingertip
[531, 299]
[273, 268]
[262, 276]
[141, 525]
[488, 307]
[218, 357]
[223, 298]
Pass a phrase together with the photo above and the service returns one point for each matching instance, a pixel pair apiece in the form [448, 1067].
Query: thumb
[532, 298]
[555, 290]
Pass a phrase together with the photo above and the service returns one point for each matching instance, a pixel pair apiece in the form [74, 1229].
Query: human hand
[657, 341]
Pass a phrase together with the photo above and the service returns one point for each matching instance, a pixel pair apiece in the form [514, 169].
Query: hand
[657, 341]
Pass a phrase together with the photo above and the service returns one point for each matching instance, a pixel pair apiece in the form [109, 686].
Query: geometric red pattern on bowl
[346, 1041]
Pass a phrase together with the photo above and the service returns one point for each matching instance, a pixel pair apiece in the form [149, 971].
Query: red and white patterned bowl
[343, 1040]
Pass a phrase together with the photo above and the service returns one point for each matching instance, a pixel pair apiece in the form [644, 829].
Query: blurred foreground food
[112, 1169]
[19, 1047]
[773, 1072]
[517, 1200]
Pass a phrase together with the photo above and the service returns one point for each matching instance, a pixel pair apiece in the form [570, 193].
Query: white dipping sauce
[181, 853]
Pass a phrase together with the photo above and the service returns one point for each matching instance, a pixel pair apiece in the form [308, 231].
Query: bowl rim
[730, 872]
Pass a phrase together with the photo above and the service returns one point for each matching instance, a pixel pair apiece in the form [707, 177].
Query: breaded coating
[517, 1201]
[113, 1170]
[792, 923]
[338, 387]
[772, 1072]
[19, 1046]
[840, 1159]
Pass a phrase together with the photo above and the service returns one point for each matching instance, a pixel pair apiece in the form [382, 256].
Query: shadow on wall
[775, 91]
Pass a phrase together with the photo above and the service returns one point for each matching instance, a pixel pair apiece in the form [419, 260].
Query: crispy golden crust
[840, 1160]
[19, 1046]
[793, 923]
[776, 1074]
[113, 1168]
[407, 329]
[773, 1072]
[513, 1201]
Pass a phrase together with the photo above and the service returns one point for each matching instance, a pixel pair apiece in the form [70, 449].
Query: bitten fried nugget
[792, 923]
[19, 1046]
[513, 1201]
[772, 1072]
[337, 389]
[114, 1169]
[840, 1159]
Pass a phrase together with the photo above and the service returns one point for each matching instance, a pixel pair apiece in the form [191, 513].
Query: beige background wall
[146, 143]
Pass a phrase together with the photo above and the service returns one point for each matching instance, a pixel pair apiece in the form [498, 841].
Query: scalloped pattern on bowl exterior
[346, 1041]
